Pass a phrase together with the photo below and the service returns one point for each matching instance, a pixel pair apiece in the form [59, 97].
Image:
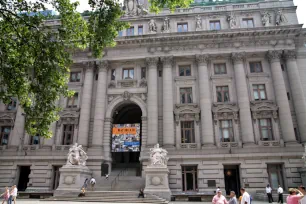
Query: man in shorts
[92, 183]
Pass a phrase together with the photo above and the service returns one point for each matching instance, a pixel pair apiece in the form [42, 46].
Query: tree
[35, 58]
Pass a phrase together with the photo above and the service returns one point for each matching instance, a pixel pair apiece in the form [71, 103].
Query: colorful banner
[126, 138]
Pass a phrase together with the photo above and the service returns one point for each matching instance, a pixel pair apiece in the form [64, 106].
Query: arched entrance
[126, 137]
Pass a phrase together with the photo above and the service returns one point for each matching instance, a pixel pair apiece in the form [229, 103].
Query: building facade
[220, 85]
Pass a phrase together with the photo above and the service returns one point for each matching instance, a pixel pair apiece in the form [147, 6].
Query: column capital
[152, 61]
[274, 55]
[89, 65]
[167, 60]
[103, 65]
[202, 59]
[290, 54]
[238, 57]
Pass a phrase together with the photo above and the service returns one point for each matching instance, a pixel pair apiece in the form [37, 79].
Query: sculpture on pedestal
[152, 26]
[158, 156]
[232, 20]
[132, 8]
[198, 23]
[280, 18]
[77, 156]
[166, 25]
[266, 18]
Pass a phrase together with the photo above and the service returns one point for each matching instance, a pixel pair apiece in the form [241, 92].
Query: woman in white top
[269, 193]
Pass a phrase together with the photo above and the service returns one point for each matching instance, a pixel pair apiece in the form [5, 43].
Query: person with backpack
[92, 183]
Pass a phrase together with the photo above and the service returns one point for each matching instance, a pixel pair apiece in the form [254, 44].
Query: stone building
[220, 85]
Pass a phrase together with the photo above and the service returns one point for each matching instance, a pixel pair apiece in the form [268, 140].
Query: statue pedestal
[157, 182]
[72, 178]
[303, 175]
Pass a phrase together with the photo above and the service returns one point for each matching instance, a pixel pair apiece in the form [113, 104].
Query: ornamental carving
[167, 60]
[166, 25]
[266, 18]
[185, 112]
[7, 119]
[225, 112]
[264, 109]
[274, 55]
[202, 59]
[238, 57]
[152, 26]
[103, 66]
[76, 156]
[280, 18]
[89, 65]
[126, 95]
[232, 20]
[69, 117]
[198, 23]
[290, 54]
[152, 61]
[112, 84]
[143, 83]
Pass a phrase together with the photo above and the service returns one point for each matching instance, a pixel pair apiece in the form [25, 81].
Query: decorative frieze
[127, 83]
[103, 66]
[185, 112]
[264, 109]
[69, 117]
[167, 60]
[202, 59]
[143, 83]
[290, 54]
[238, 57]
[152, 61]
[274, 55]
[225, 112]
[7, 118]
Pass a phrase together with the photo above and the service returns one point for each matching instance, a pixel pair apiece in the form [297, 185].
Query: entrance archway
[126, 137]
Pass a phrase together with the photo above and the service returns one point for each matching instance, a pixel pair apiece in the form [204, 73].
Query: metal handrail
[114, 182]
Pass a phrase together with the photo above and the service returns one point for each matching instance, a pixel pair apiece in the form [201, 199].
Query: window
[222, 94]
[12, 104]
[259, 91]
[189, 178]
[120, 33]
[220, 68]
[182, 27]
[143, 72]
[4, 137]
[248, 23]
[75, 76]
[215, 25]
[113, 74]
[186, 95]
[187, 132]
[34, 140]
[140, 30]
[72, 102]
[275, 173]
[185, 70]
[265, 127]
[226, 131]
[68, 134]
[128, 73]
[255, 67]
[130, 31]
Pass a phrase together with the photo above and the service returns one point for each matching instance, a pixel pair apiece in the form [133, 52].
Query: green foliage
[157, 5]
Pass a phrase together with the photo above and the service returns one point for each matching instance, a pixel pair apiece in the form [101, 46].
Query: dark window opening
[187, 132]
[68, 134]
[143, 73]
[185, 70]
[222, 94]
[189, 178]
[24, 172]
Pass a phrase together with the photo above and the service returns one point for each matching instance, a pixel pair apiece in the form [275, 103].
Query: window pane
[179, 28]
[185, 27]
[188, 71]
[226, 96]
[182, 73]
[132, 73]
[140, 30]
[217, 25]
[212, 26]
[190, 97]
[225, 133]
[256, 96]
[262, 94]
[219, 97]
[183, 98]
[263, 122]
[264, 133]
[113, 74]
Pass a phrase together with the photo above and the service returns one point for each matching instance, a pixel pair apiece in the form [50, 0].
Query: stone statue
[166, 25]
[266, 18]
[158, 156]
[152, 25]
[232, 21]
[130, 7]
[280, 18]
[141, 10]
[76, 156]
[198, 23]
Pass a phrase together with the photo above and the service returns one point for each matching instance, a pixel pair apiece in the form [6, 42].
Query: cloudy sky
[301, 11]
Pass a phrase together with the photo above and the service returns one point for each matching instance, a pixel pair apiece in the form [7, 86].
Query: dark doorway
[104, 169]
[23, 177]
[189, 178]
[56, 177]
[275, 172]
[127, 114]
[232, 179]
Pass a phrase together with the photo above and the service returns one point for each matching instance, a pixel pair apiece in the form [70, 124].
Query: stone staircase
[110, 197]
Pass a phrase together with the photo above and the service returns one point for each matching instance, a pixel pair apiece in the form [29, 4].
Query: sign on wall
[126, 137]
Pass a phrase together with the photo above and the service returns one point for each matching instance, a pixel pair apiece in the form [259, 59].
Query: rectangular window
[222, 94]
[185, 70]
[265, 127]
[186, 95]
[140, 30]
[215, 25]
[68, 134]
[120, 33]
[259, 91]
[189, 178]
[143, 73]
[128, 73]
[248, 23]
[13, 104]
[34, 140]
[113, 74]
[5, 134]
[72, 102]
[220, 68]
[255, 67]
[130, 31]
[75, 76]
[182, 27]
[226, 131]
[187, 132]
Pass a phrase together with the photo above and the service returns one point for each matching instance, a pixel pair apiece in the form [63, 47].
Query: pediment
[225, 108]
[187, 109]
[70, 114]
[263, 106]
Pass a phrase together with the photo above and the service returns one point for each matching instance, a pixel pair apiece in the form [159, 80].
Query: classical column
[205, 101]
[297, 92]
[86, 105]
[100, 106]
[168, 118]
[281, 96]
[243, 99]
[152, 101]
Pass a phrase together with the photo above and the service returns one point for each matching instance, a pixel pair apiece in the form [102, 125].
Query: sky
[301, 10]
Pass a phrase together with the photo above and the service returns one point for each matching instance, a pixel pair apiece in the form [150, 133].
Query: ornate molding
[238, 57]
[7, 118]
[167, 60]
[89, 65]
[112, 84]
[225, 111]
[126, 95]
[152, 62]
[264, 109]
[186, 112]
[274, 55]
[127, 83]
[143, 83]
[202, 59]
[290, 54]
[103, 66]
[69, 117]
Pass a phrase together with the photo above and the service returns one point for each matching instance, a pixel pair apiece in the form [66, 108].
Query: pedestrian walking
[246, 198]
[269, 193]
[6, 195]
[85, 184]
[106, 176]
[233, 199]
[92, 183]
[13, 195]
[219, 198]
[218, 189]
[293, 198]
[302, 190]
[280, 192]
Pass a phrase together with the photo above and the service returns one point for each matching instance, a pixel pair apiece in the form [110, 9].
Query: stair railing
[116, 179]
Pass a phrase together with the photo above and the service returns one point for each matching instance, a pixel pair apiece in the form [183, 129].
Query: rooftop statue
[158, 156]
[76, 156]
[232, 21]
[266, 18]
[280, 18]
[152, 25]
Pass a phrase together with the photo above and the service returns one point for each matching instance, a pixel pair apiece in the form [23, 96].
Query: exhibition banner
[126, 137]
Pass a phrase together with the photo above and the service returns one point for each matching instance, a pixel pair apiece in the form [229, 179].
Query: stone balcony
[189, 146]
